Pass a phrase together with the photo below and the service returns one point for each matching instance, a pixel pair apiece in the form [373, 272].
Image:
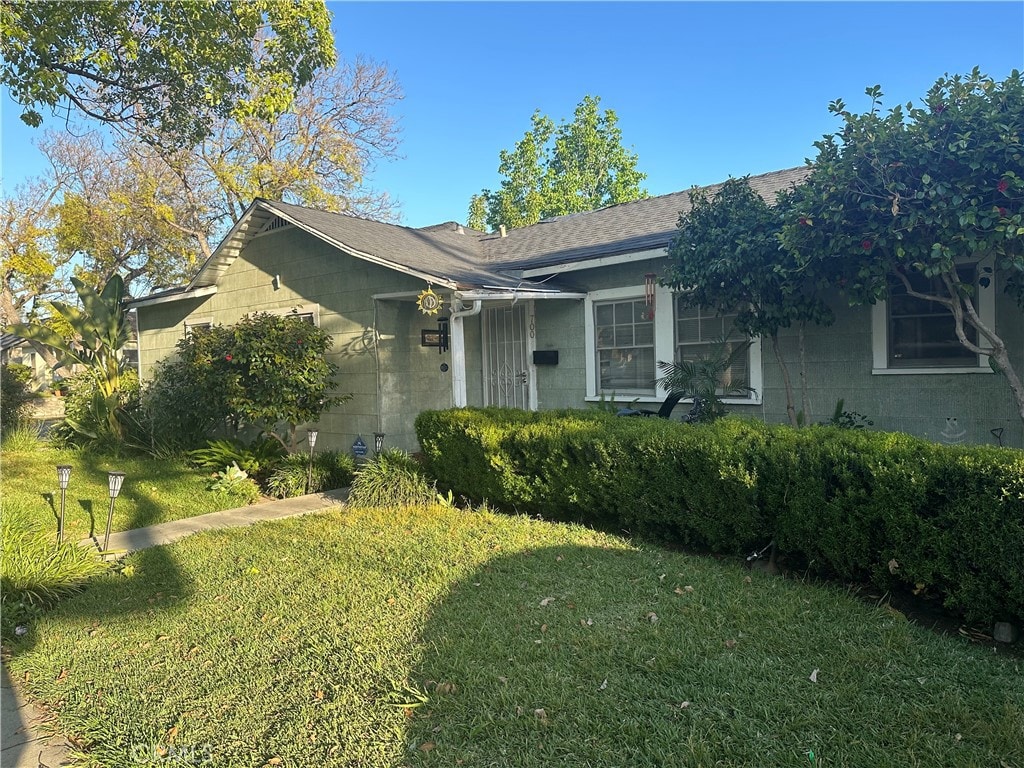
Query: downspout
[458, 342]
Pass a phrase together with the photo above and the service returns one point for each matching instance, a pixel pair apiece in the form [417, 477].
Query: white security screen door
[509, 379]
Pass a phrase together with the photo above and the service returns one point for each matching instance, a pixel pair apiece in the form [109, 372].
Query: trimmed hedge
[848, 504]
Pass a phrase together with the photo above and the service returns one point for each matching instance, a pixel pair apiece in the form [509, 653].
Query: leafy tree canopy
[916, 193]
[727, 257]
[162, 70]
[552, 171]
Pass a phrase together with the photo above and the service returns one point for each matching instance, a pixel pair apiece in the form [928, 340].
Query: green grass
[434, 636]
[154, 491]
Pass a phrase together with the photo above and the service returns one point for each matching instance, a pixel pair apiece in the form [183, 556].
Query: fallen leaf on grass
[662, 577]
[547, 601]
[543, 627]
[586, 622]
[894, 565]
[730, 643]
[427, 746]
[684, 705]
[814, 676]
[603, 685]
[540, 714]
[62, 676]
[652, 617]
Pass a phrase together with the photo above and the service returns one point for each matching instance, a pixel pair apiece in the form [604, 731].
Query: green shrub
[331, 470]
[34, 573]
[235, 483]
[258, 458]
[15, 395]
[86, 412]
[842, 503]
[392, 478]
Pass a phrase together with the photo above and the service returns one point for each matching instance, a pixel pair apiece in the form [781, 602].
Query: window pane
[922, 333]
[698, 332]
[624, 347]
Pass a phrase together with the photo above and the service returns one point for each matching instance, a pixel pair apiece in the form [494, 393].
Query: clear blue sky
[703, 91]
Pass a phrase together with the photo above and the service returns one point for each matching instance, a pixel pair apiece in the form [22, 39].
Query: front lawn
[154, 491]
[440, 637]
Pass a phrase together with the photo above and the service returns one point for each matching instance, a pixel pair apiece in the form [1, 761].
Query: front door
[508, 337]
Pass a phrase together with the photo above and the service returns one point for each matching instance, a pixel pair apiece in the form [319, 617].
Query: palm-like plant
[704, 377]
[99, 331]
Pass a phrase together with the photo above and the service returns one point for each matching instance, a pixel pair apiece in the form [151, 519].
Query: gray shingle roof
[624, 228]
[450, 254]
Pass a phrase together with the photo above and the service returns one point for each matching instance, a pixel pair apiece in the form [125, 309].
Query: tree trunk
[1002, 361]
[790, 408]
[805, 400]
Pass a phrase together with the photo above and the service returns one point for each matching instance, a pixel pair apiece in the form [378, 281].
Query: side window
[921, 333]
[198, 327]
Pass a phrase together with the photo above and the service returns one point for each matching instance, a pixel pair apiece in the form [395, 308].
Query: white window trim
[299, 309]
[664, 345]
[986, 305]
[196, 321]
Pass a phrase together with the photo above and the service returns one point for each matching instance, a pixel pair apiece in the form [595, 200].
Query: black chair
[662, 413]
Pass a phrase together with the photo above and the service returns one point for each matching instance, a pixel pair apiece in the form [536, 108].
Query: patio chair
[662, 413]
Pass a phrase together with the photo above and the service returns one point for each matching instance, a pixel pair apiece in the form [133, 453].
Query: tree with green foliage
[150, 214]
[265, 371]
[98, 332]
[163, 71]
[929, 199]
[727, 256]
[553, 171]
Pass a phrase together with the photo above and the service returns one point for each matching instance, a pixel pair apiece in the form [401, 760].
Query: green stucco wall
[313, 273]
[393, 378]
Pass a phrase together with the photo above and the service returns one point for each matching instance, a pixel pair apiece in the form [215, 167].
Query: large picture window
[921, 333]
[624, 336]
[699, 330]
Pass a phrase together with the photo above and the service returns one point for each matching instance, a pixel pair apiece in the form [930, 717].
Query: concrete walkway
[24, 742]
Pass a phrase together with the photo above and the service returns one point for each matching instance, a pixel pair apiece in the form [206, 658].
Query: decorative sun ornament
[429, 303]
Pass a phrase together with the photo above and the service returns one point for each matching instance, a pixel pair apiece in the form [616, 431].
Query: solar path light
[63, 478]
[114, 481]
[311, 435]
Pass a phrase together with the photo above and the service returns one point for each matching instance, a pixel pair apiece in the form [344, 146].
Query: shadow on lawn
[544, 658]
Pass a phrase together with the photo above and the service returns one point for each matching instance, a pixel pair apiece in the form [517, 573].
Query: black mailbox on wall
[545, 357]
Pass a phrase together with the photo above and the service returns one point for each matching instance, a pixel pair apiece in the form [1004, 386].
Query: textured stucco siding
[341, 288]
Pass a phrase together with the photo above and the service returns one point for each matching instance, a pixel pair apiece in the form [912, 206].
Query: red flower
[867, 245]
[228, 358]
[300, 342]
[802, 221]
[1002, 212]
[1003, 185]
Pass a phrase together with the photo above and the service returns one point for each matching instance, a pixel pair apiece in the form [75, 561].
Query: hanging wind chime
[649, 282]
